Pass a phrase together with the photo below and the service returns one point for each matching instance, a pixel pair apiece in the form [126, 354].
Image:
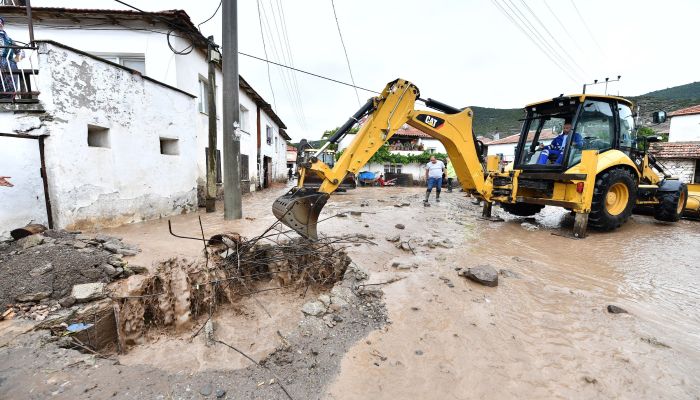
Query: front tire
[522, 209]
[671, 204]
[614, 197]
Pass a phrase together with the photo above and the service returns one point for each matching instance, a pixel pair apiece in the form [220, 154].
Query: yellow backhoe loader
[600, 170]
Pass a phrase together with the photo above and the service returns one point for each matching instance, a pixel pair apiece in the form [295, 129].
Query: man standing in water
[433, 175]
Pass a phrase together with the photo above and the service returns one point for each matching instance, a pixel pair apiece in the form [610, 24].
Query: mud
[543, 332]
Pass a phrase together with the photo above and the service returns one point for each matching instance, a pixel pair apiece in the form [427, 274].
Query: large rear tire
[671, 204]
[522, 209]
[614, 197]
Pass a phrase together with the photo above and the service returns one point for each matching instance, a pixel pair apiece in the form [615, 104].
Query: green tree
[647, 131]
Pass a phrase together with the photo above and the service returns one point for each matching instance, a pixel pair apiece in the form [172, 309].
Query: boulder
[31, 241]
[111, 247]
[37, 296]
[67, 301]
[314, 308]
[88, 291]
[483, 274]
[109, 270]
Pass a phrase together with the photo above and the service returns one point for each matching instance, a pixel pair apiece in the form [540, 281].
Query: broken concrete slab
[88, 291]
[483, 274]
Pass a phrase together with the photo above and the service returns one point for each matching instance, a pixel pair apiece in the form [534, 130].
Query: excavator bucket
[299, 210]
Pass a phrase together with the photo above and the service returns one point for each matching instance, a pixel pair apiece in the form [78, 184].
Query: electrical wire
[291, 55]
[532, 39]
[269, 78]
[585, 25]
[563, 28]
[554, 39]
[199, 27]
[352, 79]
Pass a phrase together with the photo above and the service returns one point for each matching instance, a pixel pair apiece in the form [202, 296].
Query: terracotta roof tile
[675, 149]
[686, 111]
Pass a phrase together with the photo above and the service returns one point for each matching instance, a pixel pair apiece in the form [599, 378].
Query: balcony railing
[19, 74]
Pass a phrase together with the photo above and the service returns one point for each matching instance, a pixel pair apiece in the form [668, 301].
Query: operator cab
[555, 132]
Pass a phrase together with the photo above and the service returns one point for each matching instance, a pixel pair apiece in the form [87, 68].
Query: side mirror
[659, 117]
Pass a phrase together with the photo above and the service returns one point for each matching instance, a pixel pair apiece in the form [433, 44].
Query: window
[244, 115]
[169, 146]
[203, 98]
[97, 136]
[268, 130]
[627, 133]
[392, 168]
[218, 163]
[133, 61]
[596, 126]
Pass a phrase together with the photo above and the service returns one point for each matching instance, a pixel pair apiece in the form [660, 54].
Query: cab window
[627, 133]
[596, 126]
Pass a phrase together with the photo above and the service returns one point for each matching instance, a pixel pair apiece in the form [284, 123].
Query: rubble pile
[182, 290]
[39, 272]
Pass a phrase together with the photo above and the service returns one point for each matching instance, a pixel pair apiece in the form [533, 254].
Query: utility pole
[213, 57]
[232, 141]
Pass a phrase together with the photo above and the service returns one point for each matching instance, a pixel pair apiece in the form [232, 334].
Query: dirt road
[543, 332]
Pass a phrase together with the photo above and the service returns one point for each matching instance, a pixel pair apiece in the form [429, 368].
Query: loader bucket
[299, 210]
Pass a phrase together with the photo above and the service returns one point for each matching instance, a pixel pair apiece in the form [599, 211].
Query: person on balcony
[8, 63]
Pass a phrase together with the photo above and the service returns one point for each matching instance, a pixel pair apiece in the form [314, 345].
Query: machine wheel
[671, 204]
[614, 197]
[522, 209]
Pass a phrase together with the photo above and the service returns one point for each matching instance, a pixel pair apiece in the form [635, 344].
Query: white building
[142, 41]
[115, 121]
[685, 125]
[680, 156]
[506, 146]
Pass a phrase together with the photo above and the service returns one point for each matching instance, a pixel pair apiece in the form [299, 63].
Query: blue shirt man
[557, 146]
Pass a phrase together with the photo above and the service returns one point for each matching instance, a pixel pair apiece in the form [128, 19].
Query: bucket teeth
[299, 209]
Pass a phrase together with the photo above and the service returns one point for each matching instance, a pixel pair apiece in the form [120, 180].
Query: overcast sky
[460, 52]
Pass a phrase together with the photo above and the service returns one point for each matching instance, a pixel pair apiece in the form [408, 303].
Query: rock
[109, 270]
[613, 309]
[116, 261]
[509, 274]
[88, 291]
[400, 226]
[127, 252]
[313, 308]
[82, 236]
[405, 246]
[397, 205]
[419, 352]
[403, 265]
[111, 247]
[67, 301]
[104, 238]
[343, 215]
[23, 298]
[529, 227]
[38, 271]
[405, 204]
[393, 239]
[138, 269]
[206, 390]
[337, 318]
[31, 241]
[128, 272]
[483, 274]
[356, 213]
[220, 393]
[120, 270]
[325, 299]
[364, 203]
[79, 244]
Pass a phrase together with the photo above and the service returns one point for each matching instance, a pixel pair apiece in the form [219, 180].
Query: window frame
[203, 98]
[119, 58]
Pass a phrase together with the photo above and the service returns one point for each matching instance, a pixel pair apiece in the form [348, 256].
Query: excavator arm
[395, 106]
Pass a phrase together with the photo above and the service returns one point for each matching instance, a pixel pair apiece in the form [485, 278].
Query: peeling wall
[130, 180]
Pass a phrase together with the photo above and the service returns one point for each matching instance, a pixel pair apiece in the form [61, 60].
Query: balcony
[19, 74]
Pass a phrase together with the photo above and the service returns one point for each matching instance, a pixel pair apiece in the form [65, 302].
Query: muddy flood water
[544, 332]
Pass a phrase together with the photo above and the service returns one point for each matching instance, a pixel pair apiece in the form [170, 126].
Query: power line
[352, 79]
[212, 16]
[585, 25]
[563, 28]
[293, 92]
[269, 79]
[283, 21]
[283, 75]
[569, 58]
[532, 39]
[308, 73]
[531, 27]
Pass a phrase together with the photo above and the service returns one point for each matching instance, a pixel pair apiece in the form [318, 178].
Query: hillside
[488, 121]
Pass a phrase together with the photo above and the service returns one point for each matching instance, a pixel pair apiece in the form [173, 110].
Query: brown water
[543, 335]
